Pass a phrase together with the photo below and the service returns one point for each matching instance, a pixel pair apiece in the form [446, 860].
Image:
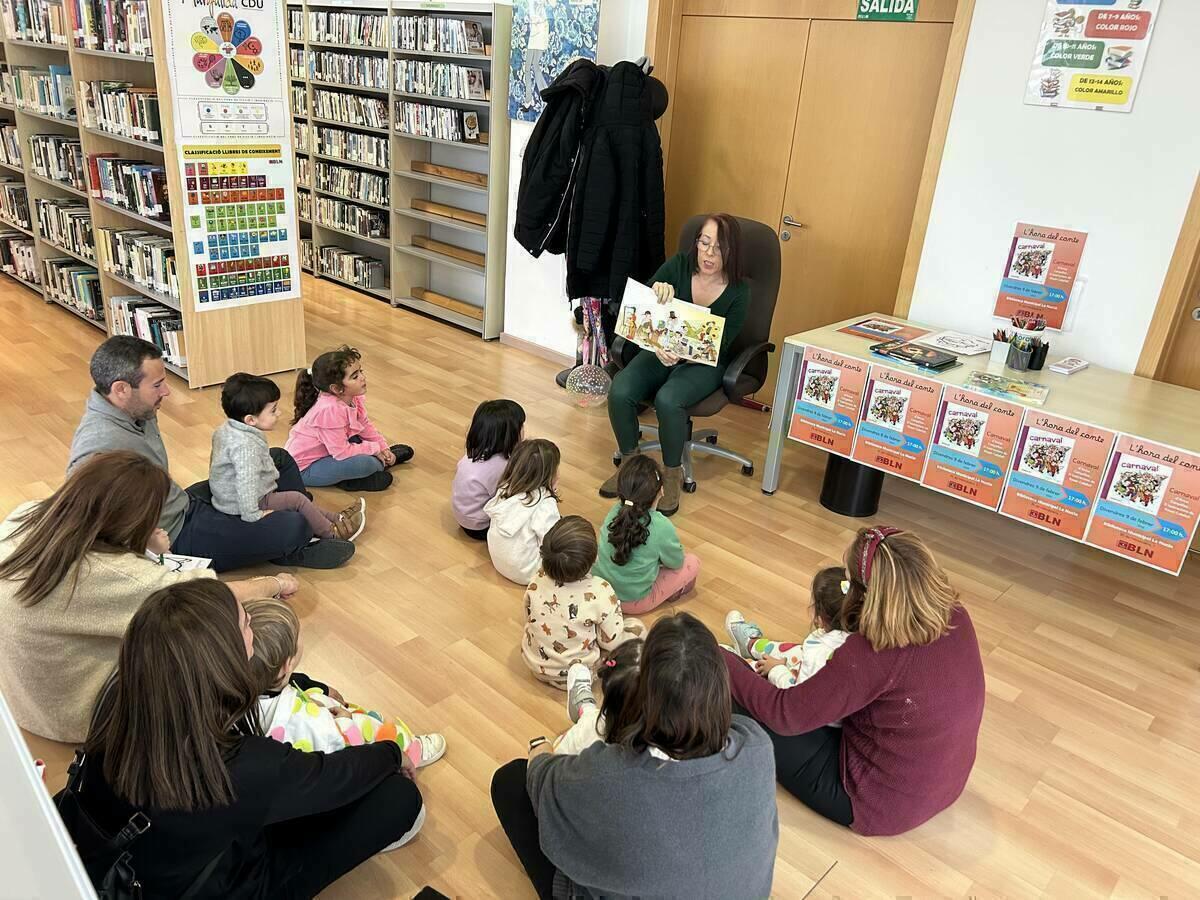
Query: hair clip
[308, 372]
[845, 586]
[610, 663]
[627, 502]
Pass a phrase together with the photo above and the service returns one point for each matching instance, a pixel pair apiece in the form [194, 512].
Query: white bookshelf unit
[429, 207]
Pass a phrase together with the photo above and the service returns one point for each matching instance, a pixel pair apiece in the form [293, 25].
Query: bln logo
[1045, 517]
[965, 489]
[1136, 549]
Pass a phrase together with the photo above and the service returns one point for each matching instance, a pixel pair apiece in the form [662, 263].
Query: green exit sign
[888, 10]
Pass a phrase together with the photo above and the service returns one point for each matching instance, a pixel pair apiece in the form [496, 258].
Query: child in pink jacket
[332, 439]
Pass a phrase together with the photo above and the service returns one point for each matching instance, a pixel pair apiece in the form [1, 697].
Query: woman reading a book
[708, 275]
[73, 571]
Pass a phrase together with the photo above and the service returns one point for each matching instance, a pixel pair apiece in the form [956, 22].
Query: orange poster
[972, 446]
[1056, 473]
[1150, 504]
[828, 400]
[897, 421]
[1039, 274]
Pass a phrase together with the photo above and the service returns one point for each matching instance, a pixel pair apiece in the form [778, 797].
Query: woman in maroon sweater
[907, 685]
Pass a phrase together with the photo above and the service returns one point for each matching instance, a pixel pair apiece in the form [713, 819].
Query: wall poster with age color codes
[226, 61]
[828, 400]
[1056, 473]
[897, 422]
[972, 448]
[1150, 504]
[1090, 53]
[1039, 273]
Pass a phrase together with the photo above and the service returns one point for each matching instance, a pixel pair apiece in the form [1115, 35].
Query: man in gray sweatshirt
[122, 414]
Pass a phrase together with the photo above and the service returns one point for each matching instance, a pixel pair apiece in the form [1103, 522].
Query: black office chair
[747, 370]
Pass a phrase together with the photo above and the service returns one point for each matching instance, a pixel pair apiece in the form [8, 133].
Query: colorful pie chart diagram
[227, 53]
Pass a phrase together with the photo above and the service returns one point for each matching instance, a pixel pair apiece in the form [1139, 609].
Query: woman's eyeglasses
[704, 245]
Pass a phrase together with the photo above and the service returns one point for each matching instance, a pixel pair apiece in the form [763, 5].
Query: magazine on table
[689, 331]
[1008, 388]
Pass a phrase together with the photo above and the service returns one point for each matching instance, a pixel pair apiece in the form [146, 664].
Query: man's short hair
[120, 358]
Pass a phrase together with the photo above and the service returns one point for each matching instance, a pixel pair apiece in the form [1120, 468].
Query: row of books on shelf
[121, 108]
[300, 133]
[75, 285]
[370, 187]
[353, 109]
[118, 26]
[10, 146]
[143, 258]
[59, 158]
[14, 202]
[354, 147]
[151, 322]
[356, 268]
[67, 223]
[299, 100]
[17, 255]
[303, 171]
[348, 68]
[441, 122]
[295, 24]
[132, 184]
[296, 64]
[360, 29]
[436, 34]
[439, 79]
[304, 205]
[35, 20]
[347, 216]
[49, 91]
[308, 255]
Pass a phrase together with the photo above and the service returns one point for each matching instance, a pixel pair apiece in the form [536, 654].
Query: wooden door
[862, 128]
[733, 113]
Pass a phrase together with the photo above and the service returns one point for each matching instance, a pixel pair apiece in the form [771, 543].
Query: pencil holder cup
[1018, 359]
[999, 352]
[1038, 357]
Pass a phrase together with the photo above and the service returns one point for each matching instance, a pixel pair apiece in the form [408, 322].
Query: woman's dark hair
[618, 679]
[532, 465]
[729, 237]
[828, 598]
[247, 395]
[569, 549]
[179, 700]
[682, 704]
[638, 484]
[495, 428]
[110, 503]
[328, 371]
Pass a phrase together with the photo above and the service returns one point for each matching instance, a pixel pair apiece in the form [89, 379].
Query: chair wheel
[747, 470]
[689, 487]
[711, 439]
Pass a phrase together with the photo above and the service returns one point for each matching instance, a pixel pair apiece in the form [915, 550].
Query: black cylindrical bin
[850, 489]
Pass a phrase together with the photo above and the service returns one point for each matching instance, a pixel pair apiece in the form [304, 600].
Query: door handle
[789, 222]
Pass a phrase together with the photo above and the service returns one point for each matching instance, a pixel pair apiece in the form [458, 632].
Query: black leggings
[809, 767]
[515, 811]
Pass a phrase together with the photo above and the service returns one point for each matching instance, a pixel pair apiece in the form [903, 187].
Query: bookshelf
[111, 263]
[440, 253]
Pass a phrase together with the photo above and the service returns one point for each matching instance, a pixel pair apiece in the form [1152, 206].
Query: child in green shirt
[640, 554]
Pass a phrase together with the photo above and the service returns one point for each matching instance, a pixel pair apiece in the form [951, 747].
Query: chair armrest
[743, 359]
[616, 353]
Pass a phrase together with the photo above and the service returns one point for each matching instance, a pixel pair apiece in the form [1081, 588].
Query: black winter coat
[617, 214]
[549, 164]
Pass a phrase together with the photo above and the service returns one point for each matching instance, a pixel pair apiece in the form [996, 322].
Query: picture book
[1008, 388]
[689, 331]
[916, 355]
[1069, 365]
[878, 327]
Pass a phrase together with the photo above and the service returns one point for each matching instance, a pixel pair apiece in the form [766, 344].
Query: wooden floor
[1088, 777]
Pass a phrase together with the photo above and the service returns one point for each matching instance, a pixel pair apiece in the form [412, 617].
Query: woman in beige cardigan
[73, 571]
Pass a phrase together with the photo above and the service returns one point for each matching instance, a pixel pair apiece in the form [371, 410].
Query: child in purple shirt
[496, 428]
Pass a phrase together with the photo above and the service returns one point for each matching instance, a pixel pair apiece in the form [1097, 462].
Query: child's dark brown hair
[328, 370]
[533, 465]
[618, 678]
[638, 484]
[569, 549]
[829, 600]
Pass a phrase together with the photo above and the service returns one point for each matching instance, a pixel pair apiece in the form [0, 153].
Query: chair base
[703, 442]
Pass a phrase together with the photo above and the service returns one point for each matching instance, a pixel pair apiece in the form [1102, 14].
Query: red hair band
[866, 555]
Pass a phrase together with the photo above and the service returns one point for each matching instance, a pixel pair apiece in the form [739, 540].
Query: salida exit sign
[888, 10]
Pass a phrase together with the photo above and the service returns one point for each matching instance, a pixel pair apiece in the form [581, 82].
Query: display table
[1110, 459]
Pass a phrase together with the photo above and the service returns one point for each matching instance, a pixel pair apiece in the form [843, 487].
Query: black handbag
[106, 857]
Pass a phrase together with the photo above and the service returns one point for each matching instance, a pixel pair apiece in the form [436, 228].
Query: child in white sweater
[524, 509]
[571, 615]
[310, 716]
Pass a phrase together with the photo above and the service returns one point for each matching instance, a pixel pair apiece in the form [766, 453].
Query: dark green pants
[673, 389]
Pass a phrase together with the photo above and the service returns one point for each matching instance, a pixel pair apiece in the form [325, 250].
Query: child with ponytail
[332, 439]
[640, 553]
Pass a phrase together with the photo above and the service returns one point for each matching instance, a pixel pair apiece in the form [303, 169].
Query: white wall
[1125, 178]
[535, 296]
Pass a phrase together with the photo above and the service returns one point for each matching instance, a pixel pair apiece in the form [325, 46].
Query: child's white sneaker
[742, 632]
[579, 690]
[433, 748]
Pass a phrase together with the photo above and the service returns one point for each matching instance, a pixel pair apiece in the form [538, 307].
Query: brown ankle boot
[608, 490]
[672, 483]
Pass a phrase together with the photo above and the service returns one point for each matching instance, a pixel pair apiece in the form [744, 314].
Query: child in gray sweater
[242, 474]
